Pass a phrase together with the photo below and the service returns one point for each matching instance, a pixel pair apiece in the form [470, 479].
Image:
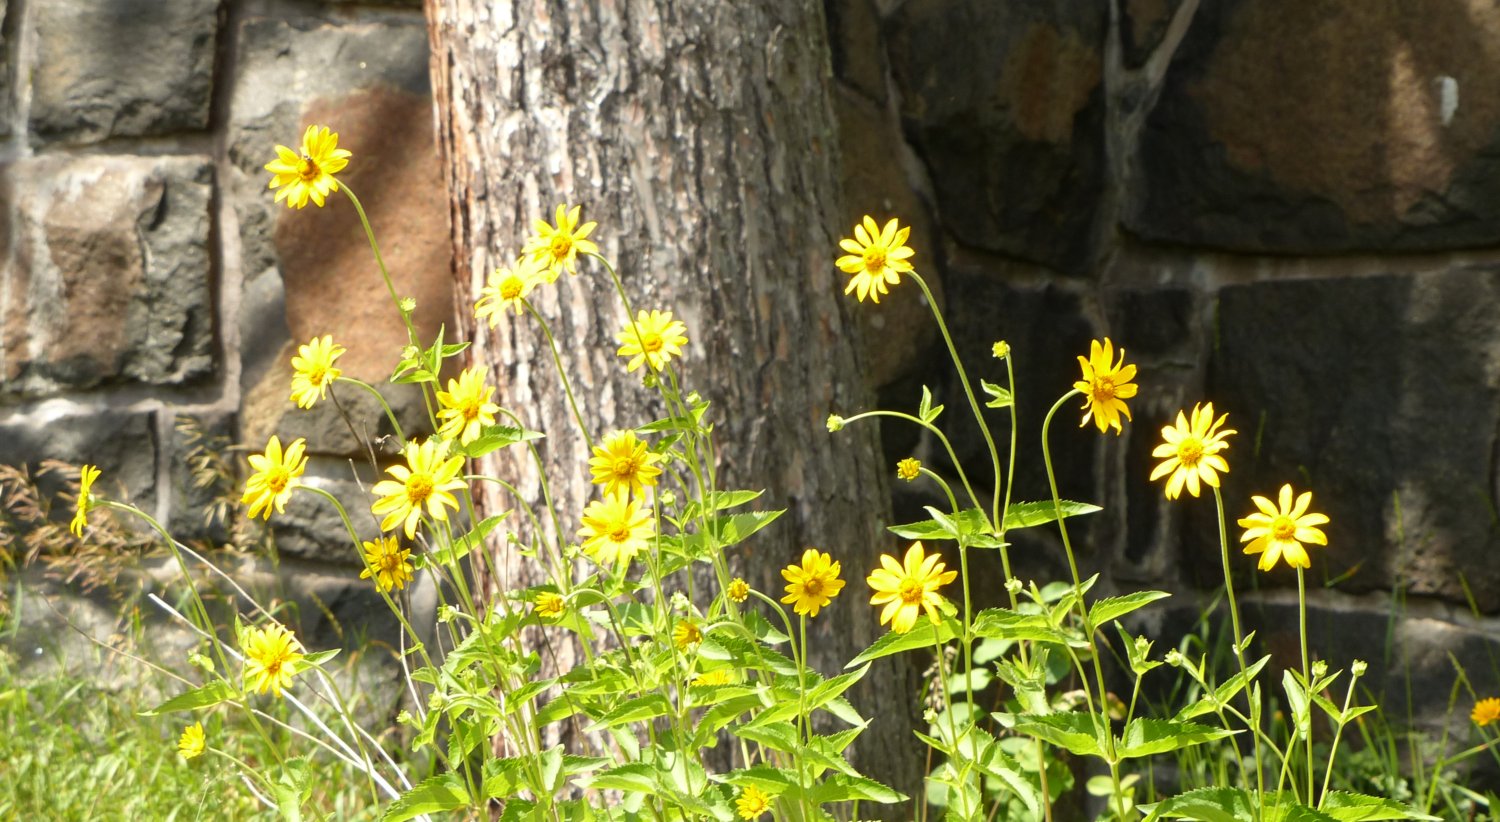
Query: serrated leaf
[1003, 623]
[1205, 805]
[444, 792]
[924, 635]
[1032, 514]
[773, 781]
[1224, 692]
[638, 777]
[971, 523]
[639, 709]
[1145, 737]
[1072, 730]
[211, 694]
[845, 788]
[1112, 608]
[1347, 806]
[999, 397]
[495, 437]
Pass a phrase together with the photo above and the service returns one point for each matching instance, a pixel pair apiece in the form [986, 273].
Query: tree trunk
[700, 135]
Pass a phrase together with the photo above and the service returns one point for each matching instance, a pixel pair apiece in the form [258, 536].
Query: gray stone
[856, 45]
[311, 527]
[122, 443]
[1382, 396]
[110, 279]
[122, 68]
[206, 482]
[6, 107]
[1286, 126]
[1004, 102]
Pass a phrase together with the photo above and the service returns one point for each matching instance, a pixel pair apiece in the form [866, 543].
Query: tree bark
[700, 135]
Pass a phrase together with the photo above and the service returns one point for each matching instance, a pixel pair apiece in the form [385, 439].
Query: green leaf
[971, 523]
[1003, 623]
[719, 501]
[450, 554]
[773, 781]
[845, 788]
[999, 397]
[815, 698]
[1032, 514]
[1073, 730]
[292, 788]
[1145, 737]
[1111, 608]
[501, 777]
[926, 412]
[444, 792]
[1297, 700]
[211, 694]
[1223, 693]
[778, 736]
[495, 437]
[638, 777]
[1357, 807]
[316, 659]
[639, 709]
[1205, 805]
[924, 635]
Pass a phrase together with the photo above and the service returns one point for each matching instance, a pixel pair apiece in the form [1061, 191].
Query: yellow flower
[615, 529]
[275, 476]
[908, 589]
[549, 605]
[314, 370]
[466, 407]
[739, 590]
[685, 635]
[386, 561]
[835, 423]
[1278, 531]
[877, 257]
[310, 175]
[622, 464]
[508, 288]
[720, 676]
[752, 802]
[1001, 350]
[1192, 451]
[909, 469]
[1105, 384]
[812, 584]
[86, 478]
[192, 742]
[661, 338]
[558, 247]
[1486, 711]
[426, 478]
[271, 658]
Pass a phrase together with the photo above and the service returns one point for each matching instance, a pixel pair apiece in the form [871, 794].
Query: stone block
[5, 83]
[311, 527]
[203, 472]
[1288, 126]
[122, 443]
[1381, 395]
[1004, 102]
[122, 68]
[109, 276]
[310, 272]
[858, 50]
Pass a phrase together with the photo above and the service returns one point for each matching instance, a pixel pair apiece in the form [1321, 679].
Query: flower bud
[835, 423]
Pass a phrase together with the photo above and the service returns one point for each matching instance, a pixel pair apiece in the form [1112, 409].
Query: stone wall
[1289, 208]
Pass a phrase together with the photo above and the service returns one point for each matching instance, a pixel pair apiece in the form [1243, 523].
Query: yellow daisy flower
[1486, 711]
[752, 802]
[558, 247]
[739, 590]
[909, 469]
[1105, 384]
[813, 583]
[661, 338]
[272, 655]
[1278, 531]
[275, 476]
[877, 257]
[386, 561]
[1192, 451]
[297, 178]
[720, 676]
[685, 634]
[465, 407]
[615, 529]
[426, 478]
[86, 478]
[314, 370]
[192, 742]
[623, 464]
[508, 288]
[550, 605]
[910, 588]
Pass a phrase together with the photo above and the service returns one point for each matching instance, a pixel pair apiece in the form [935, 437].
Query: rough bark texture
[700, 135]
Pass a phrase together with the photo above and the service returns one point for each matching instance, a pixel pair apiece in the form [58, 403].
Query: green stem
[562, 374]
[1306, 673]
[389, 414]
[1337, 733]
[385, 273]
[1239, 645]
[947, 446]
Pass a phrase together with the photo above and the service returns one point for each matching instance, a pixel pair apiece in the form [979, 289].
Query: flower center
[1282, 528]
[1104, 388]
[624, 466]
[277, 479]
[652, 343]
[561, 245]
[510, 289]
[812, 587]
[911, 591]
[307, 169]
[390, 562]
[621, 533]
[418, 488]
[470, 409]
[317, 374]
[874, 258]
[1189, 450]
